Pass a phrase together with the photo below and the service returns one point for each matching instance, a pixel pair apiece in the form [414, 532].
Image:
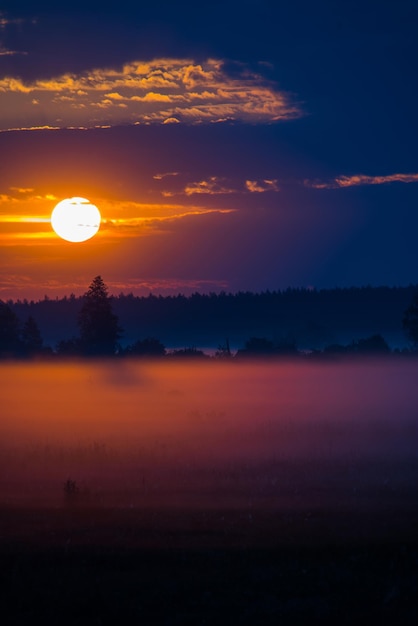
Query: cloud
[214, 185]
[164, 175]
[134, 226]
[133, 219]
[361, 179]
[24, 216]
[7, 21]
[160, 91]
[5, 52]
[16, 128]
[23, 219]
[24, 195]
[23, 190]
[257, 186]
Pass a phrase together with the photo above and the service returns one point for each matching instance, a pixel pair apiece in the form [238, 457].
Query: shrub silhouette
[188, 353]
[70, 488]
[223, 351]
[258, 345]
[375, 344]
[147, 347]
[261, 346]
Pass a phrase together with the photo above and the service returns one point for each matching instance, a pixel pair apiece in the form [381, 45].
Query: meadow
[139, 459]
[207, 433]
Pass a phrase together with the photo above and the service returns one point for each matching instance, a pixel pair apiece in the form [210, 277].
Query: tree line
[315, 318]
[99, 332]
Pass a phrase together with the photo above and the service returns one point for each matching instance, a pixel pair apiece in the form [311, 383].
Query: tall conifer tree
[99, 326]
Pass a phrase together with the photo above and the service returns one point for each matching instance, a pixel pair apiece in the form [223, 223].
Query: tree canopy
[31, 337]
[410, 321]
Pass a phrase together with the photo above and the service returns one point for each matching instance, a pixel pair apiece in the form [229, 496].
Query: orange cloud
[23, 190]
[152, 97]
[212, 186]
[16, 128]
[216, 185]
[257, 186]
[24, 216]
[361, 179]
[158, 91]
[136, 224]
[161, 176]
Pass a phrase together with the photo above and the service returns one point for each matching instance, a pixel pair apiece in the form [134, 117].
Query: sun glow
[75, 219]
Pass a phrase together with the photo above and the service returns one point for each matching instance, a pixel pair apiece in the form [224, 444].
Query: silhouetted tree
[189, 353]
[31, 337]
[9, 331]
[410, 321]
[224, 351]
[257, 346]
[99, 328]
[335, 348]
[147, 347]
[260, 346]
[286, 346]
[373, 344]
[69, 347]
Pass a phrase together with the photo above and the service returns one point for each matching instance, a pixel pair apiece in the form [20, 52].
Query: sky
[229, 146]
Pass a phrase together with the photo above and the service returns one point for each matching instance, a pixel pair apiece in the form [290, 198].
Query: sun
[75, 219]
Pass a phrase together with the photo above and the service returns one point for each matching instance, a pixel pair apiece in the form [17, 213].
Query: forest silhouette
[271, 322]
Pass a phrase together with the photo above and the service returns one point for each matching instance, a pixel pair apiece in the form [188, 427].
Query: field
[207, 493]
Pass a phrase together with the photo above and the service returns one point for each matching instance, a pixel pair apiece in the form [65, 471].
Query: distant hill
[312, 318]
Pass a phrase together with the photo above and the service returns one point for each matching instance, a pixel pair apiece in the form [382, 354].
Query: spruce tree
[99, 327]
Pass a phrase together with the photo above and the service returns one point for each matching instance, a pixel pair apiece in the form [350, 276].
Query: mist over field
[203, 435]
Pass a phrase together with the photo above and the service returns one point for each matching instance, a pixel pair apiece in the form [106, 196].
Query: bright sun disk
[75, 219]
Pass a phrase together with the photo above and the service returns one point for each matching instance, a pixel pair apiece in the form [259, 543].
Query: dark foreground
[78, 565]
[254, 494]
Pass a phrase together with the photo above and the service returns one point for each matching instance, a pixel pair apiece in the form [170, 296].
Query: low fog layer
[209, 434]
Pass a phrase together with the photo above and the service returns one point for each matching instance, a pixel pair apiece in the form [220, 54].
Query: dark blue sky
[268, 145]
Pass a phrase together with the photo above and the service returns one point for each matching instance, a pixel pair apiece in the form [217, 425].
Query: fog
[193, 434]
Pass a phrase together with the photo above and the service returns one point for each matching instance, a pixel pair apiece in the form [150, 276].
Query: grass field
[209, 494]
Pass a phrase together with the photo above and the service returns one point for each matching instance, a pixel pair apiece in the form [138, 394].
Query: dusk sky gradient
[228, 145]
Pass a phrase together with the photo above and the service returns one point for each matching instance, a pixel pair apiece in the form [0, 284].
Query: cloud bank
[217, 185]
[160, 91]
